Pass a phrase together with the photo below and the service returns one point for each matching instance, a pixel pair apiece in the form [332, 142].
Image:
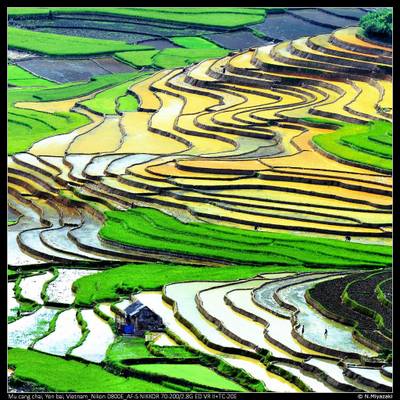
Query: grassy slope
[61, 45]
[127, 347]
[105, 101]
[60, 375]
[19, 77]
[22, 136]
[127, 103]
[194, 42]
[150, 228]
[173, 57]
[27, 127]
[197, 374]
[364, 144]
[228, 17]
[176, 57]
[111, 284]
[140, 58]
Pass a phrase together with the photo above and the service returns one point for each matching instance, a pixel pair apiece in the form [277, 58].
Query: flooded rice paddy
[184, 296]
[154, 301]
[31, 286]
[339, 336]
[62, 70]
[286, 27]
[264, 296]
[373, 374]
[25, 330]
[242, 39]
[278, 328]
[312, 382]
[99, 338]
[60, 290]
[66, 335]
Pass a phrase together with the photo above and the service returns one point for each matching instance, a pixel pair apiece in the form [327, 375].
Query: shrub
[378, 23]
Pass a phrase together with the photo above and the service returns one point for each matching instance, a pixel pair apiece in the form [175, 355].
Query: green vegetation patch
[367, 145]
[147, 228]
[139, 58]
[11, 273]
[176, 57]
[105, 102]
[171, 351]
[128, 347]
[26, 127]
[62, 45]
[227, 17]
[18, 76]
[194, 373]
[111, 284]
[195, 49]
[127, 103]
[378, 23]
[194, 42]
[60, 375]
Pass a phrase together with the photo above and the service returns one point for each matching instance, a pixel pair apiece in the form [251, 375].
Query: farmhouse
[136, 319]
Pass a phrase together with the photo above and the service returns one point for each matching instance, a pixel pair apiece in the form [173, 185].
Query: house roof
[134, 308]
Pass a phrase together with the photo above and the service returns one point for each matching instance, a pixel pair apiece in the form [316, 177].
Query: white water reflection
[60, 290]
[31, 286]
[25, 330]
[99, 338]
[255, 368]
[66, 334]
[339, 336]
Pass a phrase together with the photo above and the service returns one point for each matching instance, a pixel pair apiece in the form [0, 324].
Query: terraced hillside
[246, 199]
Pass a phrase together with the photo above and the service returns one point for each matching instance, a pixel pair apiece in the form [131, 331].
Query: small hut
[136, 319]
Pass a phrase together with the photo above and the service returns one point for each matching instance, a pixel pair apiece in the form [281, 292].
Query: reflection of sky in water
[255, 368]
[60, 290]
[373, 374]
[339, 336]
[12, 303]
[99, 338]
[24, 331]
[265, 294]
[31, 286]
[66, 335]
[312, 382]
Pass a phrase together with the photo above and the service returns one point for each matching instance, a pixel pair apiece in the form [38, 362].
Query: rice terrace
[199, 199]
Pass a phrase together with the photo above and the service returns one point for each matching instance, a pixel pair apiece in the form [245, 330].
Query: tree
[378, 23]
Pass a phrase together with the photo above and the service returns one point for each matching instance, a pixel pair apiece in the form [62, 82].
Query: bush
[378, 23]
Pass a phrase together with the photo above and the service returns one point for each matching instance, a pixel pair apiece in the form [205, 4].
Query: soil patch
[72, 70]
[108, 27]
[287, 27]
[112, 65]
[127, 37]
[351, 13]
[241, 39]
[320, 17]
